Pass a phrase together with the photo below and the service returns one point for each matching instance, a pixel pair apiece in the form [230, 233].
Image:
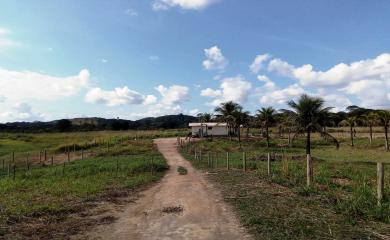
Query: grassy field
[342, 203]
[43, 191]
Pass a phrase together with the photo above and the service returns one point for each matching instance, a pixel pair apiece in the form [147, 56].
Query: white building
[208, 129]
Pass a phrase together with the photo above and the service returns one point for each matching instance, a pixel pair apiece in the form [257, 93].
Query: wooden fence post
[74, 149]
[227, 161]
[52, 160]
[380, 181]
[68, 156]
[82, 154]
[40, 156]
[63, 169]
[13, 157]
[269, 163]
[14, 170]
[309, 170]
[45, 156]
[244, 161]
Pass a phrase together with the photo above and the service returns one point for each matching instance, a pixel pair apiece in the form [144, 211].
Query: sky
[143, 58]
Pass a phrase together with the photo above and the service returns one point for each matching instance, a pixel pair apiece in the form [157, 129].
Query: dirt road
[193, 208]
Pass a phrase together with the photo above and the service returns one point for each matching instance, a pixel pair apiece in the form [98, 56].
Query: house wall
[215, 131]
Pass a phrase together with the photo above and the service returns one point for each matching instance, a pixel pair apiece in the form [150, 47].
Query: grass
[342, 203]
[182, 170]
[64, 189]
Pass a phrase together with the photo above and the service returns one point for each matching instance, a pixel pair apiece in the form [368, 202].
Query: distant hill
[94, 124]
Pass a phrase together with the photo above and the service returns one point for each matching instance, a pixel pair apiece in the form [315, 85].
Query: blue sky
[133, 58]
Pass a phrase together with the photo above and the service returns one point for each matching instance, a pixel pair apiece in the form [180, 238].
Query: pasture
[341, 203]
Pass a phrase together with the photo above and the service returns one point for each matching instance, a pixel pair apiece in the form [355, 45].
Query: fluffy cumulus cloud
[5, 41]
[257, 64]
[26, 85]
[235, 89]
[367, 80]
[280, 96]
[118, 97]
[214, 59]
[184, 4]
[174, 94]
[20, 112]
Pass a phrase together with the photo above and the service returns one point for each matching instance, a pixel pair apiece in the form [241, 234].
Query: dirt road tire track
[204, 214]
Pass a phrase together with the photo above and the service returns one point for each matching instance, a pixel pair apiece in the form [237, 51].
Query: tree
[384, 120]
[266, 117]
[307, 113]
[204, 117]
[225, 111]
[64, 125]
[241, 118]
[370, 120]
[351, 122]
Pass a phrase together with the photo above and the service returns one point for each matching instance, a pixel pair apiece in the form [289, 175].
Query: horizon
[137, 59]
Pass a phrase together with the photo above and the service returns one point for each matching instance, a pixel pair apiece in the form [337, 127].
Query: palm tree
[307, 113]
[241, 118]
[225, 111]
[266, 117]
[351, 122]
[370, 119]
[204, 117]
[384, 119]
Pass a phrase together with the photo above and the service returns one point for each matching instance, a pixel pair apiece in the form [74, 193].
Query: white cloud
[368, 80]
[257, 64]
[194, 112]
[281, 96]
[208, 92]
[118, 97]
[174, 94]
[184, 4]
[131, 12]
[235, 89]
[20, 112]
[214, 59]
[25, 85]
[5, 41]
[268, 84]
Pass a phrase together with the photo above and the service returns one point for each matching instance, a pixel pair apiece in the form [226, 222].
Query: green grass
[342, 199]
[63, 189]
[182, 170]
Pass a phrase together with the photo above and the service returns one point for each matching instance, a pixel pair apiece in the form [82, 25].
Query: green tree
[266, 118]
[225, 112]
[351, 122]
[370, 119]
[204, 117]
[241, 118]
[384, 120]
[307, 114]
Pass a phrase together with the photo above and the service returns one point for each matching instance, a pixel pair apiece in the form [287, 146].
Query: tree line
[305, 116]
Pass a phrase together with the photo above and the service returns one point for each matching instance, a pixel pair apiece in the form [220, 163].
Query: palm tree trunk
[266, 129]
[351, 130]
[386, 138]
[370, 134]
[308, 147]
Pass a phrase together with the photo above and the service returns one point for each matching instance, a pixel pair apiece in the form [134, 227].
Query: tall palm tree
[241, 118]
[266, 117]
[307, 113]
[370, 119]
[351, 122]
[384, 119]
[204, 117]
[225, 111]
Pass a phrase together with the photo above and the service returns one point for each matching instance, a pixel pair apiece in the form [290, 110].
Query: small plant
[182, 170]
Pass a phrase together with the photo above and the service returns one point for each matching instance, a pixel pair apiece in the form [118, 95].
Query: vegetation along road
[182, 206]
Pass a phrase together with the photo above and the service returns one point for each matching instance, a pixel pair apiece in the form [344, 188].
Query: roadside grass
[341, 204]
[66, 188]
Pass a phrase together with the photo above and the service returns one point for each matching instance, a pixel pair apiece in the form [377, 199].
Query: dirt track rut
[204, 214]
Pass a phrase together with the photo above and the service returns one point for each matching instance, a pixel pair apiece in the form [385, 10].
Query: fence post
[200, 155]
[52, 160]
[82, 154]
[380, 181]
[309, 170]
[68, 156]
[227, 161]
[14, 168]
[269, 163]
[45, 156]
[244, 161]
[13, 157]
[63, 169]
[74, 149]
[117, 166]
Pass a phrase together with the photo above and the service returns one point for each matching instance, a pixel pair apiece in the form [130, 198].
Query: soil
[178, 207]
